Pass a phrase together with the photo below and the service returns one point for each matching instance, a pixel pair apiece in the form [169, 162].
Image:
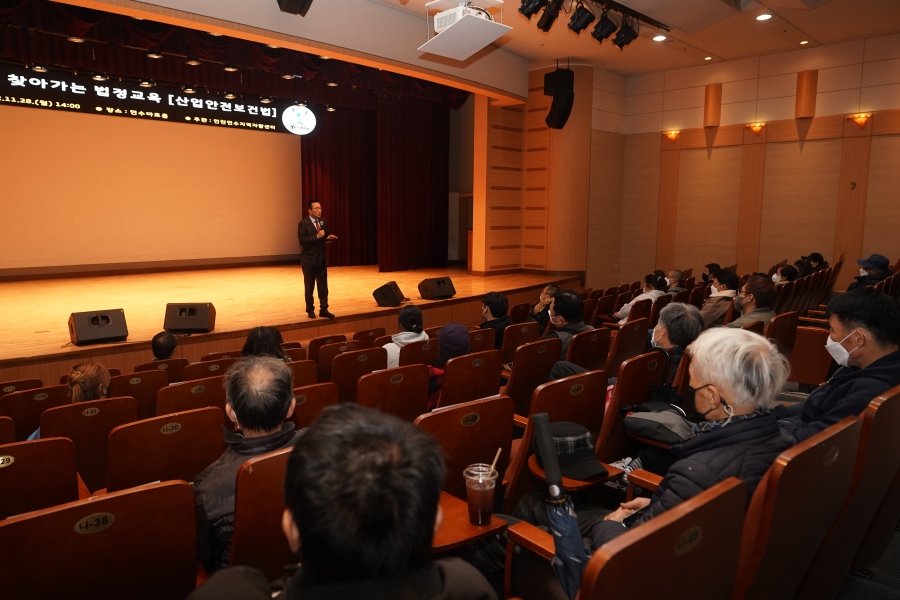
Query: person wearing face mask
[722, 293]
[864, 339]
[679, 325]
[816, 261]
[566, 313]
[871, 270]
[755, 302]
[493, 313]
[654, 287]
[674, 282]
[709, 271]
[785, 274]
[540, 310]
[736, 376]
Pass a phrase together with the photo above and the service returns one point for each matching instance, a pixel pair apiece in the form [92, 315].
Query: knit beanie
[453, 340]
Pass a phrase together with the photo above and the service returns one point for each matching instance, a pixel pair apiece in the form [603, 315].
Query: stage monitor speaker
[389, 294]
[437, 288]
[198, 317]
[98, 327]
[295, 7]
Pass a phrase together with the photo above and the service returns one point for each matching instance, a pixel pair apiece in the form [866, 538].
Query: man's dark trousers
[318, 277]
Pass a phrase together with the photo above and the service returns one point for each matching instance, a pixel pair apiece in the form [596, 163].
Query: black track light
[625, 35]
[531, 7]
[581, 19]
[605, 28]
[548, 17]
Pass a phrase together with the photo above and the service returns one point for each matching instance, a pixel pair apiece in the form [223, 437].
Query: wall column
[479, 186]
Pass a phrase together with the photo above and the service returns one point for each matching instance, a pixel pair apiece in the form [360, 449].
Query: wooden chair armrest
[531, 538]
[813, 322]
[644, 479]
[818, 314]
[520, 421]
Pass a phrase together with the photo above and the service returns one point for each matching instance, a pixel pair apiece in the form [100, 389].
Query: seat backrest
[327, 354]
[210, 368]
[757, 327]
[658, 304]
[433, 332]
[625, 287]
[636, 285]
[295, 354]
[368, 336]
[385, 339]
[88, 425]
[597, 294]
[139, 543]
[784, 297]
[8, 387]
[881, 530]
[181, 445]
[7, 431]
[689, 282]
[683, 296]
[575, 399]
[316, 344]
[681, 383]
[603, 308]
[628, 343]
[621, 300]
[113, 372]
[258, 540]
[792, 511]
[471, 377]
[36, 475]
[877, 463]
[290, 345]
[519, 312]
[305, 372]
[700, 535]
[402, 392]
[730, 314]
[348, 367]
[810, 361]
[635, 378]
[25, 407]
[531, 367]
[223, 354]
[173, 368]
[640, 310]
[422, 352]
[481, 340]
[783, 329]
[589, 349]
[189, 395]
[310, 400]
[516, 335]
[697, 296]
[587, 311]
[143, 387]
[471, 433]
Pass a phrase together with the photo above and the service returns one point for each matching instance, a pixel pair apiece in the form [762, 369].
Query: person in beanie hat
[453, 341]
[816, 261]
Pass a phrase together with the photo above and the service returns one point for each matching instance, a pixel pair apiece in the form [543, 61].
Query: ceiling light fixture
[323, 57]
[530, 8]
[147, 83]
[549, 16]
[265, 100]
[329, 108]
[188, 89]
[273, 46]
[286, 76]
[39, 68]
[804, 42]
[708, 58]
[99, 77]
[214, 34]
[860, 119]
[756, 128]
[764, 17]
[659, 38]
[672, 135]
[75, 39]
[154, 54]
[231, 68]
[192, 62]
[625, 35]
[230, 95]
[605, 28]
[331, 84]
[581, 19]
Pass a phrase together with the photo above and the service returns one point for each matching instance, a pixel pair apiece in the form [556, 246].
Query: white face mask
[840, 354]
[863, 272]
[713, 289]
[669, 281]
[776, 278]
[654, 340]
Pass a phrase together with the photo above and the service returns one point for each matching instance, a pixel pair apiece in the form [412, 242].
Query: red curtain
[413, 186]
[338, 160]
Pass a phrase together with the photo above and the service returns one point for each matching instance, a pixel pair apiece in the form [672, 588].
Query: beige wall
[92, 190]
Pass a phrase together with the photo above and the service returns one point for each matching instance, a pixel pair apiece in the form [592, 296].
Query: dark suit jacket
[313, 253]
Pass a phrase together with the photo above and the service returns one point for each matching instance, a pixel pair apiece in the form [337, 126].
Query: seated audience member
[675, 282]
[411, 324]
[87, 381]
[566, 313]
[722, 294]
[453, 341]
[863, 340]
[736, 376]
[755, 302]
[871, 270]
[362, 494]
[709, 271]
[784, 274]
[258, 399]
[803, 267]
[540, 310]
[816, 261]
[679, 325]
[264, 341]
[493, 312]
[163, 345]
[653, 288]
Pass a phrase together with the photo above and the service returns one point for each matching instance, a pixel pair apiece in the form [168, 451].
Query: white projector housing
[461, 30]
[445, 19]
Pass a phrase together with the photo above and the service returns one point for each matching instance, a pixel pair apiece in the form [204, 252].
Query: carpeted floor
[885, 585]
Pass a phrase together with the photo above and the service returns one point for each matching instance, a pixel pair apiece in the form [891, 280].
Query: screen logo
[299, 120]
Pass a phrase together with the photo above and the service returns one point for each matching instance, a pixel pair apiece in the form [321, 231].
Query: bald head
[259, 391]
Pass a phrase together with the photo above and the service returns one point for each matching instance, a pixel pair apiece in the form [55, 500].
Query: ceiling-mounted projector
[462, 29]
[445, 19]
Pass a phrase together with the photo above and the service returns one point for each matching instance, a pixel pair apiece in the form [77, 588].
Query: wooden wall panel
[851, 207]
[753, 165]
[605, 209]
[640, 199]
[800, 196]
[669, 164]
[505, 173]
[480, 185]
[709, 193]
[818, 128]
[882, 222]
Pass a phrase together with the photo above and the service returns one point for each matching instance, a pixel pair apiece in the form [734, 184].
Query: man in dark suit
[313, 234]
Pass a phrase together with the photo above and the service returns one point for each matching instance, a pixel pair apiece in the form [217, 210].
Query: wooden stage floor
[34, 328]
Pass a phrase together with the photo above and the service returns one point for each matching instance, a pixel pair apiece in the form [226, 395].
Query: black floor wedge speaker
[389, 294]
[437, 288]
[199, 317]
[98, 327]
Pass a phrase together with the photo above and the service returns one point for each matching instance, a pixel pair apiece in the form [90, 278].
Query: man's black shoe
[326, 314]
[311, 314]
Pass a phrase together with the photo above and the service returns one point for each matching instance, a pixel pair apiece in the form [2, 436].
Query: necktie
[317, 225]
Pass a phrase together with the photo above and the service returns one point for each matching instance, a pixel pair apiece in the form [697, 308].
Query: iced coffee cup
[481, 480]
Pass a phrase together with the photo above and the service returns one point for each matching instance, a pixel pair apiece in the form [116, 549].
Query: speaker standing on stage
[313, 234]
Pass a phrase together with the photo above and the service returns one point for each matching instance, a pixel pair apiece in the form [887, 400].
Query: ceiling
[700, 28]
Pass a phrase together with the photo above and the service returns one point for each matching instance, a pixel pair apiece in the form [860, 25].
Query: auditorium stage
[35, 337]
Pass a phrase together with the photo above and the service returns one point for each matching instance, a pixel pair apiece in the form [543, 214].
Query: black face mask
[705, 277]
[698, 417]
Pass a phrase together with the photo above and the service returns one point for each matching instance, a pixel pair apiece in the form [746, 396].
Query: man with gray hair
[678, 327]
[259, 397]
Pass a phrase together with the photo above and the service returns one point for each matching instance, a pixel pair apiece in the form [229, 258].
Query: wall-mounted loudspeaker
[197, 317]
[98, 327]
[437, 288]
[295, 7]
[389, 294]
[561, 85]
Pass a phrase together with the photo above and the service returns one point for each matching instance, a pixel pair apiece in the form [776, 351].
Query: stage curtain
[338, 168]
[413, 186]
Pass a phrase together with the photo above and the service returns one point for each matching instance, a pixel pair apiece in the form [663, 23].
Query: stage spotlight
[153, 54]
[548, 17]
[531, 7]
[214, 34]
[147, 83]
[581, 19]
[265, 100]
[625, 35]
[331, 84]
[192, 62]
[330, 108]
[323, 57]
[273, 46]
[605, 28]
[38, 68]
[764, 17]
[286, 76]
[231, 68]
[99, 77]
[230, 95]
[75, 39]
[188, 89]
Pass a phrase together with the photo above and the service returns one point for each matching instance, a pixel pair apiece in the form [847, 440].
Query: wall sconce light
[860, 119]
[756, 127]
[672, 135]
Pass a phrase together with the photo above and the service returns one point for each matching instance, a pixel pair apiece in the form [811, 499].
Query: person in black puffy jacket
[736, 375]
